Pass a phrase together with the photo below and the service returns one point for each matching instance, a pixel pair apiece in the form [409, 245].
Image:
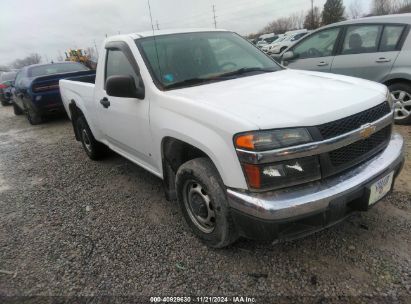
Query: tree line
[333, 11]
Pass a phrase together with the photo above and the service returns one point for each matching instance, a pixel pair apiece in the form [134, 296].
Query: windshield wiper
[195, 81]
[245, 71]
[187, 82]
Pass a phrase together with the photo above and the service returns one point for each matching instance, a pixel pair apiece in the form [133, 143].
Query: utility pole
[312, 14]
[215, 18]
[157, 25]
[95, 45]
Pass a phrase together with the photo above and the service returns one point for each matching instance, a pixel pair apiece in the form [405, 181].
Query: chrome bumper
[315, 197]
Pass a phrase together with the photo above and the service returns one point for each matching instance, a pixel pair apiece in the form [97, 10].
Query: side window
[320, 44]
[361, 39]
[390, 37]
[118, 64]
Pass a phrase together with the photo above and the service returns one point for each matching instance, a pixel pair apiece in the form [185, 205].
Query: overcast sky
[49, 26]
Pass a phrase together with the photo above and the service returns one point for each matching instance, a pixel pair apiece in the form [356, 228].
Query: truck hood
[287, 98]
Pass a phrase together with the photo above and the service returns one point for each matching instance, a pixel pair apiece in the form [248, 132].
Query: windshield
[8, 76]
[179, 58]
[56, 68]
[279, 40]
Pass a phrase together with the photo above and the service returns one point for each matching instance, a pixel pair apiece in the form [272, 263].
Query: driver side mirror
[123, 86]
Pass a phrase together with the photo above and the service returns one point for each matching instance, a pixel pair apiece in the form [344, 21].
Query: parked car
[36, 91]
[6, 83]
[267, 47]
[281, 46]
[247, 147]
[374, 48]
[260, 44]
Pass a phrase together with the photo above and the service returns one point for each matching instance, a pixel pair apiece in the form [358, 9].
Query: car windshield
[55, 68]
[8, 76]
[181, 60]
[279, 40]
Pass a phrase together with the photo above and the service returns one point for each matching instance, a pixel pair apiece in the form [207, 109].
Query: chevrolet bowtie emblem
[367, 130]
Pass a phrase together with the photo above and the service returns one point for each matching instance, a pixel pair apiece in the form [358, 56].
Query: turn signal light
[253, 175]
[245, 141]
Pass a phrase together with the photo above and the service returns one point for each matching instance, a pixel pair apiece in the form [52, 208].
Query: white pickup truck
[246, 146]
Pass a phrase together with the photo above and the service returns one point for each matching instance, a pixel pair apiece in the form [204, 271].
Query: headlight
[269, 140]
[279, 174]
[282, 174]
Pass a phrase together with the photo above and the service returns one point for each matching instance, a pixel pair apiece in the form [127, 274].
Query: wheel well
[397, 80]
[175, 153]
[75, 113]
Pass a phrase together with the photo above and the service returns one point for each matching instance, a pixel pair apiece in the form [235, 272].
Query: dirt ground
[103, 230]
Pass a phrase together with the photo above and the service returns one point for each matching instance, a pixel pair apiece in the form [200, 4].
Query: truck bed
[79, 89]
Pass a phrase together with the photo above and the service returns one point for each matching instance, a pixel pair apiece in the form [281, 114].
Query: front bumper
[319, 198]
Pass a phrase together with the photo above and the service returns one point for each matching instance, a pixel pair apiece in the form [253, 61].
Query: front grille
[345, 125]
[355, 153]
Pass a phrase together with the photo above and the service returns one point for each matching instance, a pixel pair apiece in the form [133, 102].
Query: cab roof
[139, 35]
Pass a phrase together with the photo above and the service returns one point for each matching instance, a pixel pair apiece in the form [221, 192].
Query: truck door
[124, 121]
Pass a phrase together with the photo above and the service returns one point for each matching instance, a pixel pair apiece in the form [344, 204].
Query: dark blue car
[36, 88]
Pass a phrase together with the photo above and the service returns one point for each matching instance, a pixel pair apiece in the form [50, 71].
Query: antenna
[215, 18]
[154, 37]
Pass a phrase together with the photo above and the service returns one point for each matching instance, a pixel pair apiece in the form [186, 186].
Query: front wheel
[94, 149]
[202, 199]
[401, 94]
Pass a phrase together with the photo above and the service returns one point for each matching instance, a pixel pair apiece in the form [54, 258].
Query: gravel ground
[73, 227]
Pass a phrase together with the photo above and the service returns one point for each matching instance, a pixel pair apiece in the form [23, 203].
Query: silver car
[374, 48]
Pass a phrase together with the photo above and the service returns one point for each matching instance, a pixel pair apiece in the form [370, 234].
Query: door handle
[322, 63]
[105, 102]
[382, 59]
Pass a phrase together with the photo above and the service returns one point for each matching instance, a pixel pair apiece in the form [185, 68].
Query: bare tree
[31, 59]
[312, 20]
[382, 7]
[297, 20]
[403, 6]
[278, 26]
[355, 9]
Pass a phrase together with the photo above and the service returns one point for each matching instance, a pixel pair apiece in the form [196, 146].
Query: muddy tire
[94, 149]
[17, 111]
[202, 198]
[33, 117]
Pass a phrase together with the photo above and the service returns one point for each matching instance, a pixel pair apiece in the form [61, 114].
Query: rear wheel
[94, 149]
[33, 117]
[17, 110]
[401, 93]
[202, 199]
